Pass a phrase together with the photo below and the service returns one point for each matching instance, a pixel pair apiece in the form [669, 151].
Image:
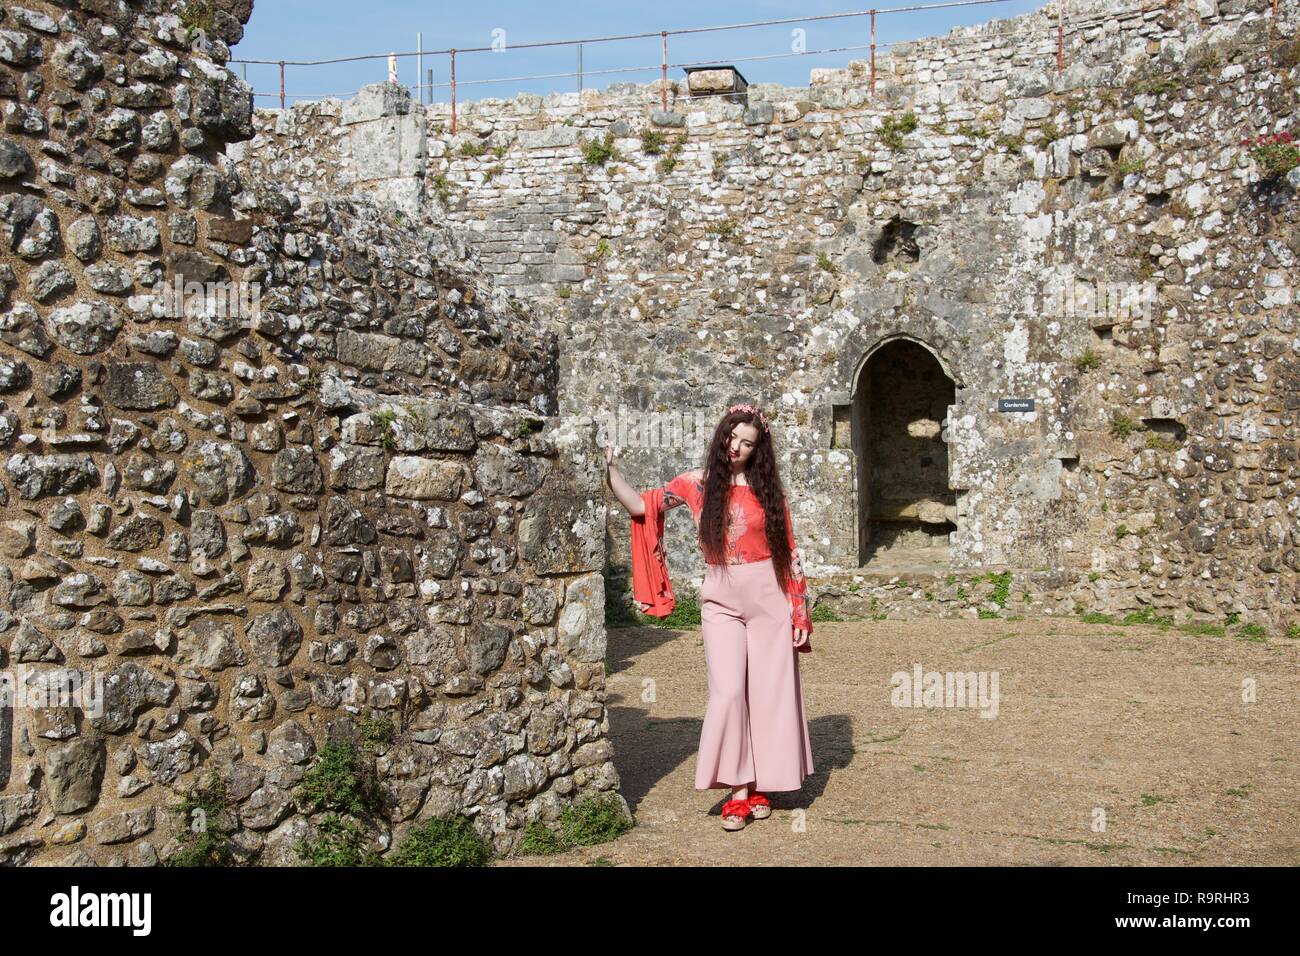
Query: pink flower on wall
[1276, 153]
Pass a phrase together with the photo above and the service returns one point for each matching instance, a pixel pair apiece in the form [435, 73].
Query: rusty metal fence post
[873, 51]
[453, 91]
[282, 84]
[663, 92]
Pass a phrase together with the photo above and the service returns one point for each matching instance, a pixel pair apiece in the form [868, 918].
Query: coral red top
[746, 538]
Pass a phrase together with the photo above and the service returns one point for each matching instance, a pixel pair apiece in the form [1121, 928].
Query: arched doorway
[906, 510]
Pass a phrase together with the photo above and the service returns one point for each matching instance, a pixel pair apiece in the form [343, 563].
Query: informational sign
[1015, 404]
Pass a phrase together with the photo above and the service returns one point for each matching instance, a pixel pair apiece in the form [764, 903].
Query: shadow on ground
[1111, 746]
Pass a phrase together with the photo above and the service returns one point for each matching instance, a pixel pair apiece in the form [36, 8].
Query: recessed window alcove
[905, 507]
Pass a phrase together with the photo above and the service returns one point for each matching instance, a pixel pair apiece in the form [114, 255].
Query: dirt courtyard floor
[1112, 745]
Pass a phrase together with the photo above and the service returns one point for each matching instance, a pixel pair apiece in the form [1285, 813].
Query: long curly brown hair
[762, 475]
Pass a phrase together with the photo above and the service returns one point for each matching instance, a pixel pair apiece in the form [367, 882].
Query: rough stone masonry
[1010, 322]
[381, 493]
[266, 521]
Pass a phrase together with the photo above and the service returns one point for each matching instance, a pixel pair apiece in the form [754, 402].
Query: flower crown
[746, 407]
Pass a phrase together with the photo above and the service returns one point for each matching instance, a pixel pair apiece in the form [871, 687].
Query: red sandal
[735, 814]
[760, 806]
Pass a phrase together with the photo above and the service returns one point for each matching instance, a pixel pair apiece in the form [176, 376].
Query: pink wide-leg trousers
[755, 729]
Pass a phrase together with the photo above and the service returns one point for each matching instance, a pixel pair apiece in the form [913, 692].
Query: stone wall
[347, 501]
[377, 492]
[769, 249]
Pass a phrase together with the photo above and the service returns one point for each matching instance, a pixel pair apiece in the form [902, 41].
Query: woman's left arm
[797, 589]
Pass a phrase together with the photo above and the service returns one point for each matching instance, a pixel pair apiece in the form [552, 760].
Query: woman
[754, 610]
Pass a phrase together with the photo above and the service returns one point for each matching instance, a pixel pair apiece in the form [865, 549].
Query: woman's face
[741, 445]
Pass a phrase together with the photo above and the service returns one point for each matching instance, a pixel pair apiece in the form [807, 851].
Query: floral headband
[746, 407]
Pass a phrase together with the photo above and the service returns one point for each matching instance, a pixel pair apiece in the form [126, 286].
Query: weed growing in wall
[669, 162]
[385, 419]
[598, 152]
[823, 612]
[1121, 426]
[1087, 361]
[652, 142]
[892, 130]
[442, 841]
[1276, 154]
[1001, 588]
[342, 778]
[1012, 144]
[589, 822]
[728, 230]
[441, 188]
[378, 730]
[1130, 165]
[341, 841]
[206, 826]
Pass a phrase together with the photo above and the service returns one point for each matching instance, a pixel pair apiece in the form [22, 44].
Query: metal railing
[664, 65]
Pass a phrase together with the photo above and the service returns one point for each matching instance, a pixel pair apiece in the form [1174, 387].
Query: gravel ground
[1143, 725]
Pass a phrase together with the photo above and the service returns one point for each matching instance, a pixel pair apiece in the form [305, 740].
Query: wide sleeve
[679, 491]
[797, 588]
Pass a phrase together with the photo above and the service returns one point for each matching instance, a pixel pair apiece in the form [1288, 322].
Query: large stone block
[386, 148]
[73, 774]
[424, 479]
[374, 101]
[581, 629]
[501, 471]
[139, 386]
[559, 535]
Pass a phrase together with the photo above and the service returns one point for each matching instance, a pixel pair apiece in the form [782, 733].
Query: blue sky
[318, 29]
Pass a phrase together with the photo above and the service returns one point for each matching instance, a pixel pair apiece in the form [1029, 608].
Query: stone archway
[902, 394]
